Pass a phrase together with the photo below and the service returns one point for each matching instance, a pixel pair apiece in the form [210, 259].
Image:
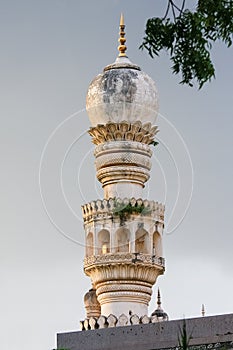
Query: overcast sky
[50, 51]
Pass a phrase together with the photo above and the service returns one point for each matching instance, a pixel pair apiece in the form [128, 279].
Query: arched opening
[157, 244]
[103, 242]
[122, 240]
[89, 244]
[141, 241]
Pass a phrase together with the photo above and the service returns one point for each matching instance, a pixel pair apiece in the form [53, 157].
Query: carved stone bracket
[123, 271]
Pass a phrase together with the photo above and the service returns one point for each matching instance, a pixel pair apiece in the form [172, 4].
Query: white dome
[122, 93]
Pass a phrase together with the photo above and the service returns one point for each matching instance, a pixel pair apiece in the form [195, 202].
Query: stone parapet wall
[109, 207]
[206, 333]
[113, 321]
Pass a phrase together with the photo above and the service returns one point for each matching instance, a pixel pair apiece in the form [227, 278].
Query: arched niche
[157, 244]
[103, 242]
[89, 244]
[122, 239]
[142, 241]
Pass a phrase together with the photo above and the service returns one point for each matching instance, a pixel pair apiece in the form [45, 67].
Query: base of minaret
[124, 283]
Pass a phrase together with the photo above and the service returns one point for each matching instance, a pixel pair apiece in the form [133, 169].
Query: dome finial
[122, 48]
[159, 313]
[158, 299]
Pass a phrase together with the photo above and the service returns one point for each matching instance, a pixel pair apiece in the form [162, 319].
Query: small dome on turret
[91, 304]
[159, 313]
[122, 92]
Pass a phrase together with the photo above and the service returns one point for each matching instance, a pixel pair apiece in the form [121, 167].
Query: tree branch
[188, 36]
[173, 10]
[171, 4]
[182, 7]
[167, 10]
[175, 6]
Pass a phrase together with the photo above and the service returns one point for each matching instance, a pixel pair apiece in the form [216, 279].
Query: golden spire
[122, 48]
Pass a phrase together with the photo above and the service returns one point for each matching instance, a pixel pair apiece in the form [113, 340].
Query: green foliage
[154, 143]
[188, 37]
[183, 337]
[124, 210]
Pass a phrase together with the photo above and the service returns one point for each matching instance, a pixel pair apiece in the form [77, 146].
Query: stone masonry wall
[214, 331]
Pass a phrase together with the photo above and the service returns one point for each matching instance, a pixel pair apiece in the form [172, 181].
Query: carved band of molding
[118, 286]
[139, 283]
[122, 158]
[127, 297]
[137, 131]
[124, 296]
[132, 174]
[110, 258]
[127, 271]
[123, 320]
[108, 207]
[120, 146]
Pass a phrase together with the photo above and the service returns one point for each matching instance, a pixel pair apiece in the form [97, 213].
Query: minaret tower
[123, 232]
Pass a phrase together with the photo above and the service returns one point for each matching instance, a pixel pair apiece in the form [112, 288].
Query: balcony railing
[137, 258]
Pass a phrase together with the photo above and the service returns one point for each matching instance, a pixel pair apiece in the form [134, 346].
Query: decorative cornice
[124, 131]
[105, 270]
[124, 286]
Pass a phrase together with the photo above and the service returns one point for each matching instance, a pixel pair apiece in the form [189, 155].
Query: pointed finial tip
[122, 48]
[122, 20]
[203, 310]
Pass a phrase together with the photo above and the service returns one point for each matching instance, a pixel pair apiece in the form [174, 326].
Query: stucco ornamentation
[123, 258]
[123, 131]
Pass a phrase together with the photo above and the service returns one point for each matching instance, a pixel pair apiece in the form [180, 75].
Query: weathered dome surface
[91, 303]
[122, 93]
[90, 298]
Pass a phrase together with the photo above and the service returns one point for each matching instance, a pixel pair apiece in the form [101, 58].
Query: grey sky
[50, 51]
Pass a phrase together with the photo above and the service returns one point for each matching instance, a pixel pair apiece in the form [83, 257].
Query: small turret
[159, 313]
[91, 303]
